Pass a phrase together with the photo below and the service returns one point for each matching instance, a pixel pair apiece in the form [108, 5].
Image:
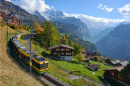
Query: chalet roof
[90, 56]
[94, 65]
[123, 63]
[115, 62]
[102, 57]
[61, 45]
[115, 68]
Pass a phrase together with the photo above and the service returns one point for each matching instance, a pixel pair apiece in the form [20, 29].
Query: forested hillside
[51, 37]
[27, 18]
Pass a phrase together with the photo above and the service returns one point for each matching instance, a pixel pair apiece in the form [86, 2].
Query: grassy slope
[80, 70]
[10, 73]
[54, 69]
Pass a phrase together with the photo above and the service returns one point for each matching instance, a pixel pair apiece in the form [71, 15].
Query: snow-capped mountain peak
[52, 14]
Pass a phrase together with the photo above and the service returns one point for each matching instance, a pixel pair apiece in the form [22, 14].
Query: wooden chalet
[84, 53]
[64, 51]
[1, 16]
[93, 67]
[10, 18]
[86, 60]
[19, 22]
[113, 72]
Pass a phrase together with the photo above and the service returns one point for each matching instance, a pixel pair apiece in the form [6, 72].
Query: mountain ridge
[10, 8]
[116, 43]
[58, 16]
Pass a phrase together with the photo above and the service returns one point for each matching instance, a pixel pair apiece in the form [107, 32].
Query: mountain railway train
[39, 64]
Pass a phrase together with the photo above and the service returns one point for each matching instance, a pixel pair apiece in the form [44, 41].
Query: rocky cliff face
[69, 29]
[117, 43]
[79, 23]
[39, 15]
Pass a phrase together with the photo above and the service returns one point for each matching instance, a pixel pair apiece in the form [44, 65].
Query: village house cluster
[10, 19]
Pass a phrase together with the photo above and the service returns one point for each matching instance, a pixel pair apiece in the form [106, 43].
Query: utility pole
[30, 57]
[7, 36]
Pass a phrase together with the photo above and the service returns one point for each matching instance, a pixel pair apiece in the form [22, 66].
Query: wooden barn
[93, 67]
[113, 72]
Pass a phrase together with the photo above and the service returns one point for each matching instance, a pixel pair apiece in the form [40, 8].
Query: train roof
[15, 38]
[38, 58]
[18, 43]
[19, 34]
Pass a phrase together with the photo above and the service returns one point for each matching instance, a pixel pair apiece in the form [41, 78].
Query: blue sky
[96, 8]
[89, 7]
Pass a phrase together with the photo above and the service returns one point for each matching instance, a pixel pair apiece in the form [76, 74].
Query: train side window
[28, 58]
[36, 64]
[24, 57]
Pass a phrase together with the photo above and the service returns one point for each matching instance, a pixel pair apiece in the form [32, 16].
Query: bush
[80, 57]
[2, 23]
[58, 57]
[96, 58]
[14, 27]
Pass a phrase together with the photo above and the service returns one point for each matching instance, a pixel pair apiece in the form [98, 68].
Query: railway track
[47, 78]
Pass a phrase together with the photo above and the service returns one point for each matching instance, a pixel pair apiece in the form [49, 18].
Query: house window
[62, 53]
[54, 53]
[57, 49]
[67, 49]
[68, 53]
[62, 49]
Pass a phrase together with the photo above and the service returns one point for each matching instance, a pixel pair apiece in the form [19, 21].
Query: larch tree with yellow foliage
[37, 27]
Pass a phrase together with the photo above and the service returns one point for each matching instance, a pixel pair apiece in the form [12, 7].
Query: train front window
[44, 65]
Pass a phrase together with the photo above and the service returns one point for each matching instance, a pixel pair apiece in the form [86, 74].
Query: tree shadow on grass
[45, 54]
[113, 82]
[101, 79]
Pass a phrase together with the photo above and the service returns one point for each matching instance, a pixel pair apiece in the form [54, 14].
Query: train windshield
[44, 65]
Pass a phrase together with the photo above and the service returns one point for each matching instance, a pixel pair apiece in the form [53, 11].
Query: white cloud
[94, 19]
[100, 5]
[32, 5]
[109, 9]
[125, 10]
[104, 8]
[96, 24]
[8, 0]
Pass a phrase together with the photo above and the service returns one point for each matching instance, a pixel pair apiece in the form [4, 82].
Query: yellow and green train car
[39, 64]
